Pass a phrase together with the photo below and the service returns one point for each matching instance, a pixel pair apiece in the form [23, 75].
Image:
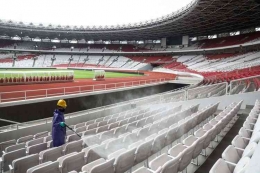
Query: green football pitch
[78, 74]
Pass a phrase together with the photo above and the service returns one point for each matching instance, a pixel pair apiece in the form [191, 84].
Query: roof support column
[185, 41]
[163, 42]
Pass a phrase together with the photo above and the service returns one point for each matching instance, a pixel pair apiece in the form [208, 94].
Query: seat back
[159, 142]
[102, 129]
[47, 138]
[239, 142]
[144, 132]
[230, 154]
[102, 123]
[9, 157]
[250, 149]
[41, 135]
[208, 139]
[242, 165]
[34, 142]
[125, 161]
[130, 139]
[171, 166]
[75, 146]
[14, 147]
[143, 151]
[89, 132]
[21, 165]
[123, 122]
[94, 154]
[80, 129]
[171, 135]
[24, 139]
[113, 125]
[36, 148]
[107, 167]
[198, 148]
[107, 135]
[120, 130]
[74, 162]
[73, 137]
[5, 144]
[115, 145]
[51, 154]
[186, 157]
[80, 125]
[92, 140]
[52, 167]
[92, 126]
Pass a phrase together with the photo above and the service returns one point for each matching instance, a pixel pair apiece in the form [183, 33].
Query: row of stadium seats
[34, 79]
[88, 160]
[73, 144]
[236, 157]
[180, 156]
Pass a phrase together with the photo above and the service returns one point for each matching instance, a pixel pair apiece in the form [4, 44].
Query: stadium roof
[200, 17]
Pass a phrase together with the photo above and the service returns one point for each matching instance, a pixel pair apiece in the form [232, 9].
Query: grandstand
[179, 93]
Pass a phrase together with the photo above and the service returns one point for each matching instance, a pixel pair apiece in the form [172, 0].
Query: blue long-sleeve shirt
[58, 132]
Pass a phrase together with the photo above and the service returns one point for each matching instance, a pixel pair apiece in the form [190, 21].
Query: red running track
[22, 92]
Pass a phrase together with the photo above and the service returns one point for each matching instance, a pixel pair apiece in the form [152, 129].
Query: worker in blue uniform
[58, 124]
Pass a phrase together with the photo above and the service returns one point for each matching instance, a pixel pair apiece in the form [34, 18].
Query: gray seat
[184, 152]
[125, 161]
[102, 123]
[112, 120]
[41, 135]
[24, 139]
[115, 145]
[143, 151]
[34, 142]
[143, 133]
[79, 125]
[94, 153]
[73, 137]
[89, 122]
[99, 166]
[37, 166]
[159, 142]
[5, 144]
[113, 125]
[21, 165]
[123, 122]
[92, 140]
[10, 156]
[75, 146]
[14, 147]
[49, 167]
[51, 154]
[171, 136]
[165, 164]
[81, 129]
[74, 162]
[107, 135]
[92, 126]
[89, 133]
[47, 138]
[102, 129]
[36, 148]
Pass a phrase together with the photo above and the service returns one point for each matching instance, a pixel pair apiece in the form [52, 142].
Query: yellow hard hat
[62, 103]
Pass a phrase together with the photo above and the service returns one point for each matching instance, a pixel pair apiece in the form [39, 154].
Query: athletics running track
[22, 92]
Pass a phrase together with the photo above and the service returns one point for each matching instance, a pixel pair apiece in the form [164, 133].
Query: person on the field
[58, 124]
